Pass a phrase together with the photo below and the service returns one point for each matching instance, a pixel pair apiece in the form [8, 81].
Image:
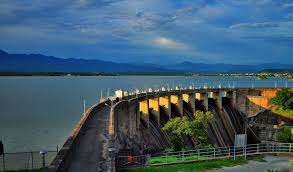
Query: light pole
[83, 105]
[43, 153]
[101, 97]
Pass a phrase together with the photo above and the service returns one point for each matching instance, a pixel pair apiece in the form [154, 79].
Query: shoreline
[78, 74]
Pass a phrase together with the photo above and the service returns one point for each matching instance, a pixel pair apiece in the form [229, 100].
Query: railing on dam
[202, 84]
[12, 161]
[166, 158]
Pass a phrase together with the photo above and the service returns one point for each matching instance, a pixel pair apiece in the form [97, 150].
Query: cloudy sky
[151, 31]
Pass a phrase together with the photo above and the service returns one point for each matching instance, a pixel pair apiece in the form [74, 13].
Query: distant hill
[278, 70]
[228, 68]
[42, 63]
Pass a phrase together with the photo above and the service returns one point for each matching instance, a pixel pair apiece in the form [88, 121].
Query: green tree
[200, 127]
[285, 135]
[174, 130]
[197, 129]
[201, 116]
[289, 103]
[284, 99]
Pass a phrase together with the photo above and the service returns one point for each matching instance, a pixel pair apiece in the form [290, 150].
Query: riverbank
[256, 75]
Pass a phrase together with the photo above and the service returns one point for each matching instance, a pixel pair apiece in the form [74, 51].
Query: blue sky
[151, 31]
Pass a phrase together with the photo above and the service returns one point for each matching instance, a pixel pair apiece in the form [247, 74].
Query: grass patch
[288, 113]
[174, 159]
[196, 166]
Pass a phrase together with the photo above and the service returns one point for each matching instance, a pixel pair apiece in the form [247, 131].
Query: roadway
[87, 155]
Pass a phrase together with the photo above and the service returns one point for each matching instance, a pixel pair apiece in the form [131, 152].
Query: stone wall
[126, 123]
[253, 101]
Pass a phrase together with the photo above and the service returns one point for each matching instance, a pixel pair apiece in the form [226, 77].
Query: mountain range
[42, 63]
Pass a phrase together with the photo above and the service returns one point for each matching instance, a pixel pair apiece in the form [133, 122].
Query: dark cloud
[215, 30]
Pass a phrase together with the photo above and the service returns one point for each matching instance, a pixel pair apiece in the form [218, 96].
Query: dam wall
[135, 121]
[135, 110]
[125, 123]
[254, 101]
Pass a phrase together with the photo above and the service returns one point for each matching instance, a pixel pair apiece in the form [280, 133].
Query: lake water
[40, 112]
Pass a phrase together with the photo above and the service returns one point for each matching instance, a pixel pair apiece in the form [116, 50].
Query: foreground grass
[196, 166]
[288, 113]
[178, 159]
[174, 159]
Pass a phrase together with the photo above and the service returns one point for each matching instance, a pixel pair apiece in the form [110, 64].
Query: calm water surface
[40, 112]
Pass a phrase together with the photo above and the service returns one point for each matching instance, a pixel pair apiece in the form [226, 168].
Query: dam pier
[127, 124]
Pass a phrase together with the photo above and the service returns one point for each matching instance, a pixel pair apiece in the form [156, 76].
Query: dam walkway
[85, 149]
[87, 155]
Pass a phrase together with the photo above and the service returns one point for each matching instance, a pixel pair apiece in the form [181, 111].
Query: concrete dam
[132, 124]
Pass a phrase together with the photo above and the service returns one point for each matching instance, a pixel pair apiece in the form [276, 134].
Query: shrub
[284, 99]
[182, 126]
[285, 135]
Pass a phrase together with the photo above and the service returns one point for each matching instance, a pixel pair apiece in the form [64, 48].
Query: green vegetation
[198, 166]
[177, 159]
[283, 99]
[179, 127]
[288, 113]
[262, 77]
[174, 159]
[285, 135]
[272, 170]
[284, 103]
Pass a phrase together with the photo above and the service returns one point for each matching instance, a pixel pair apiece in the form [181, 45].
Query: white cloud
[169, 43]
[256, 2]
[254, 25]
[289, 5]
[197, 21]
